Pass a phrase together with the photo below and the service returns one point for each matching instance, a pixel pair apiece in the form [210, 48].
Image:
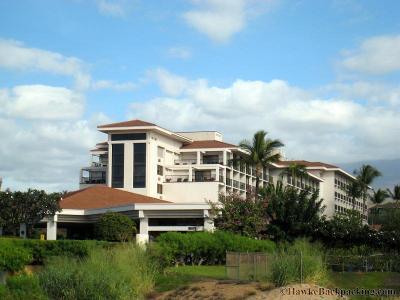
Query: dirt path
[231, 290]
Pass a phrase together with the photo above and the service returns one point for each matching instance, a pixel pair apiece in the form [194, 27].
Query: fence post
[301, 267]
[238, 278]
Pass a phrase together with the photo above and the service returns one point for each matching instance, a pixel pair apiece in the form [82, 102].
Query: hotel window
[160, 170]
[139, 165]
[117, 166]
[159, 188]
[128, 136]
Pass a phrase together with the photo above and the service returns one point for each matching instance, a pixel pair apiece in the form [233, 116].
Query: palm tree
[365, 176]
[395, 195]
[295, 171]
[260, 153]
[354, 192]
[379, 196]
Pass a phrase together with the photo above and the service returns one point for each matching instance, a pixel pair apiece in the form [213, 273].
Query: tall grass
[298, 262]
[124, 272]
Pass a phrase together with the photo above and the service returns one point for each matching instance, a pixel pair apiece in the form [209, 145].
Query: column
[51, 233]
[190, 174]
[198, 158]
[142, 237]
[224, 158]
[22, 230]
[208, 222]
[217, 174]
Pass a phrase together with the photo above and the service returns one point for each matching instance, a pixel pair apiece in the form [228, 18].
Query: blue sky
[321, 75]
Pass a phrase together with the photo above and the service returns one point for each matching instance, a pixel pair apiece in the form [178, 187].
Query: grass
[370, 280]
[178, 277]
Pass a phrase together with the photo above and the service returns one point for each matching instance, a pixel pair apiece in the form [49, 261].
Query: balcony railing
[185, 178]
[87, 180]
[183, 162]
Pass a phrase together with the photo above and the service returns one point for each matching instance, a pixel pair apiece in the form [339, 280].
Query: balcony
[88, 180]
[185, 178]
[185, 162]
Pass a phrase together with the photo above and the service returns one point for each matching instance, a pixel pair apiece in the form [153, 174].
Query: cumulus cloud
[15, 55]
[334, 129]
[376, 56]
[115, 86]
[221, 19]
[42, 102]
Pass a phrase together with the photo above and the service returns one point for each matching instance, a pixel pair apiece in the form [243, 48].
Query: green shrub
[41, 250]
[115, 227]
[124, 272]
[13, 258]
[203, 247]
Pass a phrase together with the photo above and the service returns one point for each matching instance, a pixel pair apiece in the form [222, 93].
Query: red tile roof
[103, 197]
[208, 144]
[306, 163]
[131, 123]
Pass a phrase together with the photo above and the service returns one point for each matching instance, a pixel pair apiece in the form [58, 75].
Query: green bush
[124, 272]
[13, 258]
[203, 247]
[115, 227]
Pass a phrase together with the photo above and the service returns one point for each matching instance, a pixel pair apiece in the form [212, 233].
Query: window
[160, 152]
[128, 136]
[159, 188]
[117, 166]
[160, 170]
[139, 165]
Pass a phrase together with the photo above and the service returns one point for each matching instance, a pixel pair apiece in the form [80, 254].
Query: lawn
[176, 277]
[371, 280]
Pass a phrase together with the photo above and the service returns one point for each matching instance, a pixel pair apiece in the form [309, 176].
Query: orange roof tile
[306, 163]
[208, 144]
[131, 123]
[103, 197]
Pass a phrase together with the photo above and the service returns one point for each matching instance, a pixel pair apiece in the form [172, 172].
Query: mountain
[390, 170]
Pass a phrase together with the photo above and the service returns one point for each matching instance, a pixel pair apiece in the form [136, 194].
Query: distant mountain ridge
[390, 170]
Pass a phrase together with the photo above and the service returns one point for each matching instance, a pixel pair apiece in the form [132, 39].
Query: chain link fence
[257, 266]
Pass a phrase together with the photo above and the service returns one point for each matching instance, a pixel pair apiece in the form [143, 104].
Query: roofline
[154, 127]
[198, 131]
[135, 206]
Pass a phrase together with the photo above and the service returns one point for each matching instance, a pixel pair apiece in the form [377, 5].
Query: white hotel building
[167, 179]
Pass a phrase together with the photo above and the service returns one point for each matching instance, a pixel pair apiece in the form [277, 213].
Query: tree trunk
[257, 182]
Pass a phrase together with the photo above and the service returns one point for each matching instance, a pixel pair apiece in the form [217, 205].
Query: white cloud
[16, 56]
[316, 128]
[42, 102]
[112, 85]
[179, 52]
[377, 55]
[115, 8]
[221, 19]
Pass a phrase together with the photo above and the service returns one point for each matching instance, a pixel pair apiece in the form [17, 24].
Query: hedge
[204, 247]
[16, 253]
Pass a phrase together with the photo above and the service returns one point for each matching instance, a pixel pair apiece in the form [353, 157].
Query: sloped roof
[306, 163]
[208, 144]
[103, 197]
[131, 123]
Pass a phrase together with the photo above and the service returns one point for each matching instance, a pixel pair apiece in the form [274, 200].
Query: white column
[22, 230]
[217, 174]
[198, 158]
[51, 233]
[143, 236]
[224, 158]
[190, 174]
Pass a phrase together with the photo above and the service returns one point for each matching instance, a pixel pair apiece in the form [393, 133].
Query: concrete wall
[202, 135]
[187, 192]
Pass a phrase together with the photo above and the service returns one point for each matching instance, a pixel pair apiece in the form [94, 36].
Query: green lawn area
[176, 277]
[371, 280]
